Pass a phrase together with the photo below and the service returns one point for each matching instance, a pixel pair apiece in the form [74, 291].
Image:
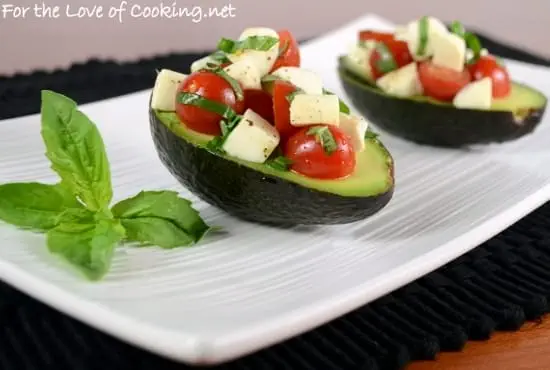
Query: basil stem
[423, 31]
[325, 138]
[260, 43]
[386, 62]
[290, 97]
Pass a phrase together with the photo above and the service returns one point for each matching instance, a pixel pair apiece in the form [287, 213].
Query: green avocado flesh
[258, 193]
[427, 121]
[369, 178]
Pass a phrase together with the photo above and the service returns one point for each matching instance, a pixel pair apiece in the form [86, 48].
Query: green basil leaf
[215, 145]
[279, 163]
[87, 246]
[386, 62]
[458, 29]
[283, 48]
[423, 32]
[343, 106]
[35, 206]
[76, 150]
[260, 43]
[270, 78]
[324, 137]
[210, 105]
[156, 231]
[166, 205]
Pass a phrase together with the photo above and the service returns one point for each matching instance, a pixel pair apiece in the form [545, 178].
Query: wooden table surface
[526, 349]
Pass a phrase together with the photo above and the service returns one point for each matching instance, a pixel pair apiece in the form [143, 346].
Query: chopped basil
[458, 29]
[290, 97]
[386, 62]
[343, 106]
[423, 32]
[219, 56]
[227, 124]
[215, 145]
[235, 85]
[325, 138]
[209, 105]
[473, 43]
[280, 163]
[371, 135]
[260, 43]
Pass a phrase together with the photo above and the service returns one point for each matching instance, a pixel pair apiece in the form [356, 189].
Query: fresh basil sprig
[260, 43]
[324, 137]
[423, 33]
[75, 213]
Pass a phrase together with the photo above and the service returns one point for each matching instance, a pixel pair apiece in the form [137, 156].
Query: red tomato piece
[376, 36]
[289, 51]
[260, 102]
[212, 87]
[488, 66]
[281, 108]
[441, 83]
[398, 51]
[309, 158]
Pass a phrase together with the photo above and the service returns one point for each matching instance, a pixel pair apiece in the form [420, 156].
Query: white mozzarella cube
[475, 95]
[307, 109]
[264, 60]
[253, 139]
[358, 58]
[308, 81]
[246, 73]
[355, 128]
[449, 51]
[402, 82]
[411, 34]
[165, 90]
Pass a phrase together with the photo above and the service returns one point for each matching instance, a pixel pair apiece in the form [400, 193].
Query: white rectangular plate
[258, 285]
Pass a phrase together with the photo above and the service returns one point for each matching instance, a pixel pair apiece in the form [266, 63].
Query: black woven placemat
[497, 286]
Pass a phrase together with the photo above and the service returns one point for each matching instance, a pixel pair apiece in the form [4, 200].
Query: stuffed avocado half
[437, 86]
[256, 135]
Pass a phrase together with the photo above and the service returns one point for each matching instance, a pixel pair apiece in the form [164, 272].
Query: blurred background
[30, 43]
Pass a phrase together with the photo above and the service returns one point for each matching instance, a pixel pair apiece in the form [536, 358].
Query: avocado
[430, 122]
[258, 193]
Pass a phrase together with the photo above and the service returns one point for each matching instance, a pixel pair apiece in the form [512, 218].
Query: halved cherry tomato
[487, 66]
[212, 87]
[398, 50]
[289, 51]
[376, 36]
[281, 108]
[260, 102]
[309, 158]
[441, 83]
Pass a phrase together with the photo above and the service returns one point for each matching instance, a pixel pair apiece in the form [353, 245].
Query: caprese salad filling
[426, 58]
[259, 105]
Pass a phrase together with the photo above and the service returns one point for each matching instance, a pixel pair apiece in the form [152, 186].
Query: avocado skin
[254, 196]
[435, 125]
